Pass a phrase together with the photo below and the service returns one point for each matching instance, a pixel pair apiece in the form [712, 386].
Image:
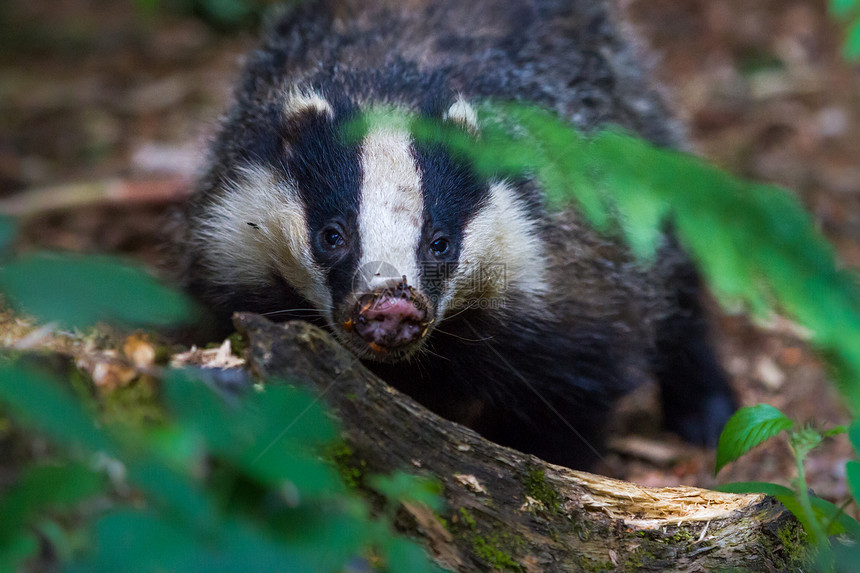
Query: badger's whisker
[306, 311]
[463, 338]
[469, 306]
[425, 350]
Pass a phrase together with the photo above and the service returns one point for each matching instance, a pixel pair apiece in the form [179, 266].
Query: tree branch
[511, 511]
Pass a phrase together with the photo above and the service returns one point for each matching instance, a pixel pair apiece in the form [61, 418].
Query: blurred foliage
[848, 12]
[226, 487]
[40, 488]
[224, 484]
[76, 291]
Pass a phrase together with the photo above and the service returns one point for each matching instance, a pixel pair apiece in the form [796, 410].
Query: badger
[462, 290]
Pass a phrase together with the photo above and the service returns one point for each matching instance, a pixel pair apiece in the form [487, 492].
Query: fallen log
[511, 511]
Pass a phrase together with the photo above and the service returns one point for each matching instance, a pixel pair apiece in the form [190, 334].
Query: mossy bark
[511, 511]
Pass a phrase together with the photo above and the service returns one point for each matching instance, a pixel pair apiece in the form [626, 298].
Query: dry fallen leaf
[471, 482]
[140, 351]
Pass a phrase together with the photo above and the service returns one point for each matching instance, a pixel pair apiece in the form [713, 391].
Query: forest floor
[93, 92]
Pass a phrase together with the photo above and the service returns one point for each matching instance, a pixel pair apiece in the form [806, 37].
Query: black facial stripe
[328, 175]
[453, 194]
[258, 142]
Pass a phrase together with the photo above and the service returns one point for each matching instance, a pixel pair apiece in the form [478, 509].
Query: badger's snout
[390, 318]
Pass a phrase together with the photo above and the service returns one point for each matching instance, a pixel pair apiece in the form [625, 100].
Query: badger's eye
[440, 247]
[332, 238]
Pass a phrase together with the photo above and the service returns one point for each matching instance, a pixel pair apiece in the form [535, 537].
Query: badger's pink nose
[387, 321]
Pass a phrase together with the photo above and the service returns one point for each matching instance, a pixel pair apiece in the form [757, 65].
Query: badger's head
[384, 236]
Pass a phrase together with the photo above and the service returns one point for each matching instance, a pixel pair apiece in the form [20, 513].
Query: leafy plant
[220, 486]
[746, 429]
[77, 291]
[848, 12]
[225, 486]
[39, 489]
[752, 426]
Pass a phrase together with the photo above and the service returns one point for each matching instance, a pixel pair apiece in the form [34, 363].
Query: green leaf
[175, 494]
[278, 413]
[272, 436]
[46, 487]
[854, 435]
[851, 48]
[40, 489]
[177, 447]
[283, 466]
[144, 542]
[846, 556]
[852, 477]
[345, 534]
[41, 402]
[401, 486]
[766, 488]
[792, 504]
[746, 429]
[290, 414]
[80, 291]
[835, 519]
[842, 8]
[827, 513]
[641, 213]
[832, 518]
[64, 542]
[404, 555]
[834, 431]
[17, 550]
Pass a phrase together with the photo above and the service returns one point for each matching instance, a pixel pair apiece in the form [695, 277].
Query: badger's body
[461, 291]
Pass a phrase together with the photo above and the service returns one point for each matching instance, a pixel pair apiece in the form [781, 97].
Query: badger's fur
[460, 291]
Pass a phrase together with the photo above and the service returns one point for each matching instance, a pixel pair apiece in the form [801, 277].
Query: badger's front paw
[701, 422]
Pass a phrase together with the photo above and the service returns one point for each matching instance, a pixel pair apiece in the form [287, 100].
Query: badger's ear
[303, 110]
[464, 115]
[306, 102]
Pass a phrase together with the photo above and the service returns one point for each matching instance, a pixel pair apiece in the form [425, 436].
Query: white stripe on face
[501, 253]
[391, 207]
[256, 226]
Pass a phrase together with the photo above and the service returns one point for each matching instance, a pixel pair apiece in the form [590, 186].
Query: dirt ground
[92, 92]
